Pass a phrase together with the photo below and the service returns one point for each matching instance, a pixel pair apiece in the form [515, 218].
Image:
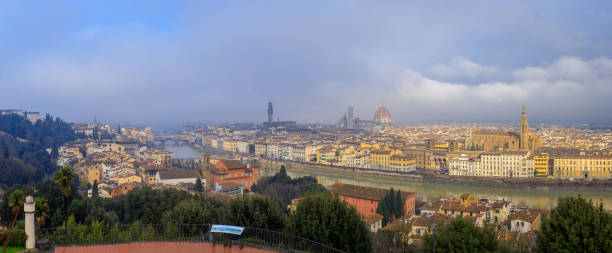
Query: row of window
[582, 169]
[564, 162]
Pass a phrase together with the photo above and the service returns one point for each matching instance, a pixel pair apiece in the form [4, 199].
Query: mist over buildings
[148, 62]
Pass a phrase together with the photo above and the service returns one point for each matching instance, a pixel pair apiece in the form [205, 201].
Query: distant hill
[23, 148]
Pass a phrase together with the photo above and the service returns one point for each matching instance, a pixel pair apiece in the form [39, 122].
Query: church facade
[498, 141]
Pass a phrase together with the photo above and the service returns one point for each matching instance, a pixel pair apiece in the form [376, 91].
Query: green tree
[576, 225]
[42, 211]
[326, 219]
[52, 192]
[282, 176]
[192, 211]
[7, 154]
[461, 236]
[15, 202]
[64, 177]
[96, 233]
[94, 189]
[256, 211]
[198, 185]
[391, 206]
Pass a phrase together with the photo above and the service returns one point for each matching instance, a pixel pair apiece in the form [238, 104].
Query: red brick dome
[382, 115]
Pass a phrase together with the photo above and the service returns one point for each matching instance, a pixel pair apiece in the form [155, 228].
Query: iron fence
[80, 235]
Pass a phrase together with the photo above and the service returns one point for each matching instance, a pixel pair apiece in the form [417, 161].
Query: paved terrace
[161, 247]
[175, 239]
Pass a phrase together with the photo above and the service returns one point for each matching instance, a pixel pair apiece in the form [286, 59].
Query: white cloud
[460, 67]
[567, 88]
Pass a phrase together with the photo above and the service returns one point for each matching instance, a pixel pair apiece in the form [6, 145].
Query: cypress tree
[399, 204]
[198, 185]
[94, 189]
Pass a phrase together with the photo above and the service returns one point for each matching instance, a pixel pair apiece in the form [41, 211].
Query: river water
[538, 198]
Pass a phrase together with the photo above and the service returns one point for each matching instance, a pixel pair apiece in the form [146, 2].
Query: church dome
[382, 115]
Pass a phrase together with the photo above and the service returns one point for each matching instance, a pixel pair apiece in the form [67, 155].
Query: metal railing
[80, 235]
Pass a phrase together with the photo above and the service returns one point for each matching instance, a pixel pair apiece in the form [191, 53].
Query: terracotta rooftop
[399, 225]
[424, 221]
[526, 215]
[180, 173]
[370, 219]
[233, 164]
[456, 206]
[362, 192]
[154, 247]
[479, 132]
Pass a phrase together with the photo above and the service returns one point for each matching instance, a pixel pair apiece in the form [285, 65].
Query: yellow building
[230, 145]
[541, 165]
[380, 160]
[126, 179]
[490, 212]
[583, 167]
[327, 156]
[369, 145]
[403, 163]
[93, 174]
[162, 156]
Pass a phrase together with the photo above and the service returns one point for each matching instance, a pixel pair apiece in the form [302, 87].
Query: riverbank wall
[324, 168]
[535, 184]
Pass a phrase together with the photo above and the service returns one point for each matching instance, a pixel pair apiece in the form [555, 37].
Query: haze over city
[160, 63]
[305, 126]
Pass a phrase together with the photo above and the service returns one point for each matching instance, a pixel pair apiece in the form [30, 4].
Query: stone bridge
[176, 138]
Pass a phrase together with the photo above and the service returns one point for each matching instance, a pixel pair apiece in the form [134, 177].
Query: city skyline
[165, 63]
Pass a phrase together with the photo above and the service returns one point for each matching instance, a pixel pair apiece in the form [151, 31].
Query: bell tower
[270, 112]
[524, 134]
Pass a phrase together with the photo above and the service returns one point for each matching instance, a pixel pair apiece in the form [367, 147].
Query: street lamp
[433, 231]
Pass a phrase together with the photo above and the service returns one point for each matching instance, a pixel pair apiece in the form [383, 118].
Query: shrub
[18, 238]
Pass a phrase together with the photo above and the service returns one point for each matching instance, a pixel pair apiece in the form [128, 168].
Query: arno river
[539, 198]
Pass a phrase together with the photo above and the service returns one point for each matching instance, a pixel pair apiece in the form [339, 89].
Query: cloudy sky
[164, 62]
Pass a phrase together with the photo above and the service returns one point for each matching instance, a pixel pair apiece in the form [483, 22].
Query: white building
[285, 151]
[243, 147]
[298, 153]
[525, 221]
[261, 149]
[179, 176]
[506, 164]
[33, 116]
[310, 152]
[464, 165]
[273, 151]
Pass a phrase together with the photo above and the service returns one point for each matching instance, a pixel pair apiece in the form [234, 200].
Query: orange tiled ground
[161, 247]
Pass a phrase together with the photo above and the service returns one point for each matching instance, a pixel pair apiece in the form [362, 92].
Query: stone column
[29, 208]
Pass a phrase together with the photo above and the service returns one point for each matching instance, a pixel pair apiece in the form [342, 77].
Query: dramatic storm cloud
[149, 62]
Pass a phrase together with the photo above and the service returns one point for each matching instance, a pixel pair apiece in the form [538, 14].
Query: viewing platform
[172, 238]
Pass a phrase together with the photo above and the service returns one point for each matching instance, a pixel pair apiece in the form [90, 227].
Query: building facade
[380, 160]
[498, 141]
[465, 165]
[541, 165]
[234, 171]
[582, 167]
[506, 164]
[365, 199]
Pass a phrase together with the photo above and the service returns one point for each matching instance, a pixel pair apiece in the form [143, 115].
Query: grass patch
[11, 249]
